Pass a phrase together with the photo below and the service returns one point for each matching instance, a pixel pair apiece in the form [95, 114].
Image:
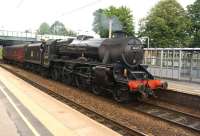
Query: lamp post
[110, 27]
[146, 37]
[147, 42]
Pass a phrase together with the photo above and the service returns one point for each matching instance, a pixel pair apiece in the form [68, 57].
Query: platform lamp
[110, 27]
[147, 38]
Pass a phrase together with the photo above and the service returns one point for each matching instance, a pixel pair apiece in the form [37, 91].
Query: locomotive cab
[119, 34]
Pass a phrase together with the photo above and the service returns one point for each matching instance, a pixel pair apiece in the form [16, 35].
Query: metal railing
[19, 36]
[174, 63]
[15, 35]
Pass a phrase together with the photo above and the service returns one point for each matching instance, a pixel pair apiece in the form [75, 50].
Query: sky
[21, 15]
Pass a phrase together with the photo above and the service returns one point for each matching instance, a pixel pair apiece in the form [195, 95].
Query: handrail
[29, 35]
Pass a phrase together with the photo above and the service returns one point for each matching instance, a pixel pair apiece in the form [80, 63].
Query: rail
[179, 118]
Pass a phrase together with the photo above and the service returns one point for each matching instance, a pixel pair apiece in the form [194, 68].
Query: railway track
[176, 117]
[121, 129]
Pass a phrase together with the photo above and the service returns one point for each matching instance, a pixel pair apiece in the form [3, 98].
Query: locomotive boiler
[106, 51]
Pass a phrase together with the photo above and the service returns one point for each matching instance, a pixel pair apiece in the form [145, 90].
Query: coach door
[46, 56]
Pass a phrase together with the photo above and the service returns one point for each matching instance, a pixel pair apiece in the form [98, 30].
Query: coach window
[31, 53]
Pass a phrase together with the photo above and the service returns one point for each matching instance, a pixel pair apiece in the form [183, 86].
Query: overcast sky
[75, 14]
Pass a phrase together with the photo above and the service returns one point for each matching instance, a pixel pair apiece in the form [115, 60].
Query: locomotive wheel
[96, 90]
[55, 75]
[67, 79]
[121, 95]
[142, 96]
[77, 82]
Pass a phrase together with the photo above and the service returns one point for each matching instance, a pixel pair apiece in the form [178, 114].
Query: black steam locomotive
[102, 65]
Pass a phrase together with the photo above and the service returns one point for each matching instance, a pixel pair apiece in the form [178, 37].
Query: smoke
[116, 24]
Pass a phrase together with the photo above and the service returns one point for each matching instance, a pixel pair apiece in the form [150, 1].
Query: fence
[15, 35]
[174, 63]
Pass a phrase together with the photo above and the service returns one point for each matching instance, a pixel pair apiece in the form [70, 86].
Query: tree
[71, 33]
[122, 19]
[124, 16]
[166, 25]
[98, 25]
[58, 28]
[43, 29]
[194, 15]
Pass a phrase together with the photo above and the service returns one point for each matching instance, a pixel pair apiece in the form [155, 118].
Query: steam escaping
[116, 24]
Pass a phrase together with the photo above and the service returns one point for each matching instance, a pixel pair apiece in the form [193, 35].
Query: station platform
[27, 111]
[184, 87]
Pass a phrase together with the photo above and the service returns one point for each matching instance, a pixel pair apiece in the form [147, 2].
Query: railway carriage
[1, 49]
[15, 53]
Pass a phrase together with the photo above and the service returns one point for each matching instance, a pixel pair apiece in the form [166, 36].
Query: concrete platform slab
[58, 118]
[11, 123]
[184, 87]
[7, 125]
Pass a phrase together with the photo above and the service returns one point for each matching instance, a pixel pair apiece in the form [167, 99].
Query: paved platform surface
[8, 119]
[27, 111]
[184, 87]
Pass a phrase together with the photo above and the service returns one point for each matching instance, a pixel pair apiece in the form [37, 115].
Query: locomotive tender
[112, 65]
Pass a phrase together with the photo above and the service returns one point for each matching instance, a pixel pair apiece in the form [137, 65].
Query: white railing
[6, 33]
[46, 36]
[174, 63]
[28, 35]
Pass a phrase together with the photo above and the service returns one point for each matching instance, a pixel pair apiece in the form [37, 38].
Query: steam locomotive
[101, 65]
